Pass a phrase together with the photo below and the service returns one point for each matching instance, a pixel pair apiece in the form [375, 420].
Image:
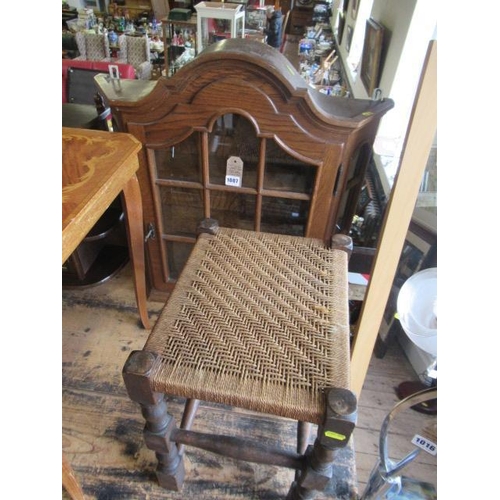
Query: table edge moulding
[331, 136]
[97, 166]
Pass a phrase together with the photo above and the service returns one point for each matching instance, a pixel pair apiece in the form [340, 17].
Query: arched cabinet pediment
[237, 135]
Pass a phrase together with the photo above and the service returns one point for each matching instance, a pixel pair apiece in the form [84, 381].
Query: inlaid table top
[95, 167]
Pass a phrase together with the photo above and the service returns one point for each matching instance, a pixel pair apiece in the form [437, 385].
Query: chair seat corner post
[160, 424]
[334, 433]
[343, 242]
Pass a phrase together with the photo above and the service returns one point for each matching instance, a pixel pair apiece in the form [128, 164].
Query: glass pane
[216, 21]
[213, 30]
[285, 173]
[284, 216]
[180, 162]
[356, 180]
[233, 209]
[425, 212]
[178, 254]
[233, 136]
[182, 210]
[427, 198]
[239, 27]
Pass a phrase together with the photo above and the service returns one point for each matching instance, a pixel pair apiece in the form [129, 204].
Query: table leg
[133, 212]
[70, 482]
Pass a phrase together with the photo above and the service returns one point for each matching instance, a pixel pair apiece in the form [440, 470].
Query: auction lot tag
[114, 73]
[234, 171]
[425, 444]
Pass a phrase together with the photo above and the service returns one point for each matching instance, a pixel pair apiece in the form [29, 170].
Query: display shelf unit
[175, 50]
[218, 21]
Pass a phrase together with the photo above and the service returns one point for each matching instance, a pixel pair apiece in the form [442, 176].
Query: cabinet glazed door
[232, 175]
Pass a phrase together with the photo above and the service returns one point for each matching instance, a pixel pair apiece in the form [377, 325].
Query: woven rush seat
[258, 321]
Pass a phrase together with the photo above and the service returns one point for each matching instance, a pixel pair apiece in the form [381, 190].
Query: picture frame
[342, 6]
[348, 41]
[340, 29]
[354, 9]
[372, 52]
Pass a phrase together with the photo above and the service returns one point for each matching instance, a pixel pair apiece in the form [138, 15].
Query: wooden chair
[92, 47]
[257, 321]
[135, 50]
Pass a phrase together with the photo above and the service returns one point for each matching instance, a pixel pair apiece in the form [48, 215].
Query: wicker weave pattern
[258, 321]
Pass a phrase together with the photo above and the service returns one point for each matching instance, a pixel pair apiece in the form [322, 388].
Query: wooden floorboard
[102, 428]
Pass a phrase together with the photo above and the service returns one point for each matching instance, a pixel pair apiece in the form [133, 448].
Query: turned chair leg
[334, 433]
[316, 474]
[159, 427]
[303, 433]
[190, 410]
[159, 423]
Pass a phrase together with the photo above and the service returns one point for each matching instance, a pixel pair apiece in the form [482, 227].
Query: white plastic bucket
[417, 309]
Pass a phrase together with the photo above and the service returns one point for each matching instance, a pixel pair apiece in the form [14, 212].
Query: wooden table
[97, 166]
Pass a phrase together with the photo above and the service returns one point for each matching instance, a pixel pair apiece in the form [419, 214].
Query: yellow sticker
[335, 435]
[367, 113]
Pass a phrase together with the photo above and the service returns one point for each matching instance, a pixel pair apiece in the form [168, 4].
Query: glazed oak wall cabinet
[238, 136]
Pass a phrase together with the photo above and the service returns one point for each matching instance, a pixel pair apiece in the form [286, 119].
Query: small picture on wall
[348, 38]
[354, 9]
[340, 29]
[343, 5]
[372, 51]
